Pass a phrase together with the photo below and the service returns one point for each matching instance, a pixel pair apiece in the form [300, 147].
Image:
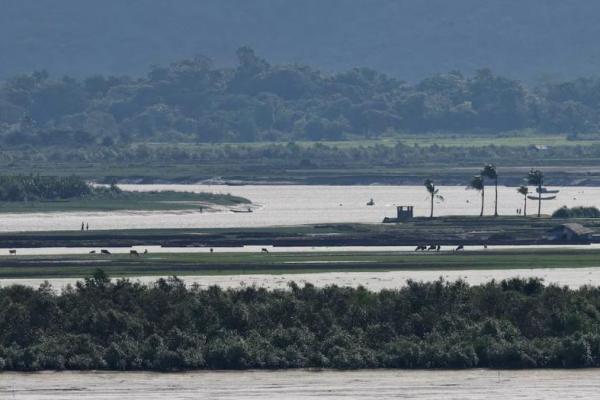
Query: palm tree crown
[477, 184]
[536, 177]
[524, 190]
[489, 171]
[433, 192]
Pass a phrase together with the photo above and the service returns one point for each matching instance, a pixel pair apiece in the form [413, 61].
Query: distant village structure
[571, 232]
[403, 213]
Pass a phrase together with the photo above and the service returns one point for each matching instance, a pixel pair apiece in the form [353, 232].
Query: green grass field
[279, 263]
[524, 138]
[564, 164]
[139, 201]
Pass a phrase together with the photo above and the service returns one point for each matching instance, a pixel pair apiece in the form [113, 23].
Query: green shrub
[576, 212]
[101, 324]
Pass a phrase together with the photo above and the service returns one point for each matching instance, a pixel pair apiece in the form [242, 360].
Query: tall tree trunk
[525, 206]
[496, 199]
[482, 201]
[431, 215]
[540, 200]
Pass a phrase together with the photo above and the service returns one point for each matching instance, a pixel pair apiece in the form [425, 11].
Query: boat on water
[546, 191]
[371, 203]
[530, 197]
[235, 210]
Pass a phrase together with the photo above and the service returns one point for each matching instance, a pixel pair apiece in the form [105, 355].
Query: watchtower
[404, 212]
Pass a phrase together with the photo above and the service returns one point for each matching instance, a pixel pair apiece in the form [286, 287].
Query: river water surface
[296, 204]
[372, 280]
[324, 385]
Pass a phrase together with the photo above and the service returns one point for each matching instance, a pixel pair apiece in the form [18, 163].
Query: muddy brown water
[279, 205]
[299, 384]
[373, 280]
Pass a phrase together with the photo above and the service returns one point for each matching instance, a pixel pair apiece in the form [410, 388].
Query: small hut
[571, 232]
[403, 213]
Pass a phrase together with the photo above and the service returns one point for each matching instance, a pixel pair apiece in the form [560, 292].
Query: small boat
[371, 203]
[249, 210]
[543, 198]
[546, 191]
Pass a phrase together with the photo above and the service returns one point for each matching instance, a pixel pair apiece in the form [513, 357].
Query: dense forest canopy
[99, 324]
[37, 187]
[192, 100]
[409, 39]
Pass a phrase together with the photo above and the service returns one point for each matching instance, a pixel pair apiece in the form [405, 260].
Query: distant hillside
[408, 39]
[192, 100]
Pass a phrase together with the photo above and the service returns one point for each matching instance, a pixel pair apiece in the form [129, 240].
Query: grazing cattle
[104, 251]
[459, 247]
[134, 253]
[263, 250]
[12, 251]
[421, 247]
[93, 252]
[432, 247]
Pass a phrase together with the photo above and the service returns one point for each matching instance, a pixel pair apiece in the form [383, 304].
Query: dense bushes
[274, 157]
[36, 187]
[192, 100]
[576, 212]
[124, 325]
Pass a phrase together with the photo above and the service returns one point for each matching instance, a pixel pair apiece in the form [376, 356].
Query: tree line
[43, 188]
[122, 325]
[535, 177]
[193, 100]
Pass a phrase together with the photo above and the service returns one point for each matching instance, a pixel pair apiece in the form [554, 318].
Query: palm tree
[433, 193]
[490, 172]
[536, 177]
[524, 190]
[477, 184]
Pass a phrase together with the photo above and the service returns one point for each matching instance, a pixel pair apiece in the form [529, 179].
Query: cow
[134, 253]
[13, 252]
[420, 247]
[432, 247]
[104, 251]
[93, 252]
[263, 250]
[459, 247]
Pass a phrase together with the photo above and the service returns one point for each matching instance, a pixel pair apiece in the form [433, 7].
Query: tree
[490, 172]
[524, 190]
[477, 184]
[433, 193]
[536, 177]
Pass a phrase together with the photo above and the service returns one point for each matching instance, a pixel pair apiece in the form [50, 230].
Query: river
[373, 280]
[296, 204]
[299, 384]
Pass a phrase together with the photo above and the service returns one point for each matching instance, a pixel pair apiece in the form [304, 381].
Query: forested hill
[194, 101]
[408, 39]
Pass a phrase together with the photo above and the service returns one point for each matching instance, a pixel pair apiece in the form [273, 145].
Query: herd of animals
[433, 247]
[437, 247]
